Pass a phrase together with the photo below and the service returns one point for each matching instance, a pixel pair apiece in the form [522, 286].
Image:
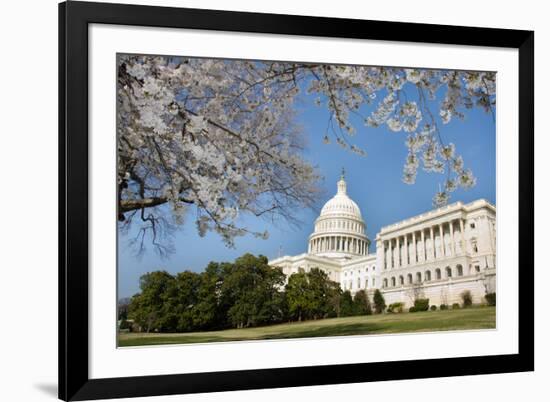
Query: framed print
[259, 201]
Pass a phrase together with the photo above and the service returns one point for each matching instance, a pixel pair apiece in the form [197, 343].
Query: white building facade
[435, 255]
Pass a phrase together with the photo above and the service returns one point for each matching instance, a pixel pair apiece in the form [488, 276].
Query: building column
[442, 240]
[422, 238]
[433, 242]
[462, 242]
[398, 246]
[414, 247]
[390, 249]
[406, 250]
[453, 251]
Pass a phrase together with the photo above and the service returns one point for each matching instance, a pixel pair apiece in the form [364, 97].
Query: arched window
[418, 277]
[409, 279]
[401, 280]
[385, 283]
[428, 276]
[459, 270]
[358, 283]
[437, 273]
[366, 283]
[393, 280]
[449, 272]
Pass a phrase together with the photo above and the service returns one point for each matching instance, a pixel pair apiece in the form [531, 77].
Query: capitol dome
[341, 204]
[340, 231]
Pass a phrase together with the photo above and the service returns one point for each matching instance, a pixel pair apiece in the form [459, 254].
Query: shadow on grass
[392, 323]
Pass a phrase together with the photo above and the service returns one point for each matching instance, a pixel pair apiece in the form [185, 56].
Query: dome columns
[339, 244]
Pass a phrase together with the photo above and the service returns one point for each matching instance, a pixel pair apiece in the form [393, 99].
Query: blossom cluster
[219, 136]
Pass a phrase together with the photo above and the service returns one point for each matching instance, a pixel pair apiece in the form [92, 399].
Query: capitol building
[435, 255]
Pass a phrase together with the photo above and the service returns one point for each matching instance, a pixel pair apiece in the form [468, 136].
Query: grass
[428, 321]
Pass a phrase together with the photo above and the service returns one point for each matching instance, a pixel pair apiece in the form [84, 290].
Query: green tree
[182, 299]
[334, 298]
[253, 290]
[297, 290]
[321, 288]
[312, 295]
[346, 304]
[148, 308]
[361, 303]
[211, 310]
[379, 302]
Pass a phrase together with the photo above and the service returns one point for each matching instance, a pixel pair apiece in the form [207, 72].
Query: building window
[437, 273]
[449, 272]
[373, 282]
[401, 280]
[418, 277]
[393, 281]
[472, 225]
[366, 283]
[428, 275]
[358, 283]
[477, 268]
[459, 271]
[385, 283]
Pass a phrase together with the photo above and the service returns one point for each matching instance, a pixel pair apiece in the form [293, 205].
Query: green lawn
[463, 319]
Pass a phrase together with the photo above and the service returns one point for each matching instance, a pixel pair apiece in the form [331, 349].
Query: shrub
[395, 308]
[433, 308]
[466, 298]
[422, 304]
[379, 302]
[361, 303]
[491, 299]
[443, 307]
[412, 309]
[456, 306]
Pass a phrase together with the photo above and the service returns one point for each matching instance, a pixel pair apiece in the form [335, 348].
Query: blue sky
[374, 182]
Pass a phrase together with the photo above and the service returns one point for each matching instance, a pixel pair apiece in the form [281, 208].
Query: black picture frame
[74, 18]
